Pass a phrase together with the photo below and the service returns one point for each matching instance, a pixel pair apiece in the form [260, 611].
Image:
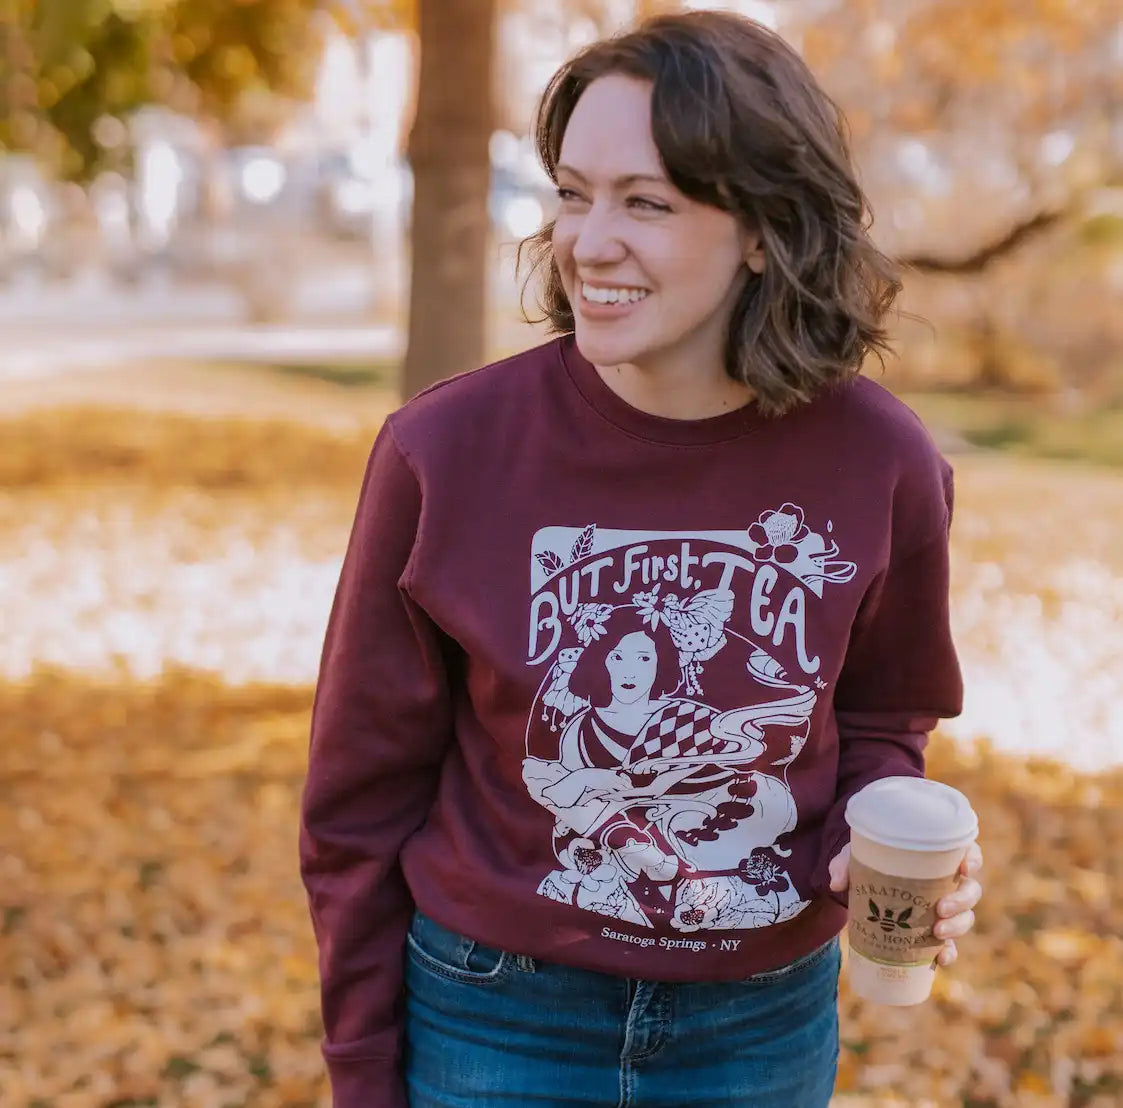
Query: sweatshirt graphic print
[667, 807]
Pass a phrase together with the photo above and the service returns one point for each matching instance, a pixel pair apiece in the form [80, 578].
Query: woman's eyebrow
[621, 181]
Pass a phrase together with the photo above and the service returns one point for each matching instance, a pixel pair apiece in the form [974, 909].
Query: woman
[697, 446]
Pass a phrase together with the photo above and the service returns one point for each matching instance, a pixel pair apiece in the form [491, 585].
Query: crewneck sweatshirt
[597, 684]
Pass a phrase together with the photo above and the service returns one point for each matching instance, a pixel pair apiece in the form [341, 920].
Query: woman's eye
[646, 204]
[567, 194]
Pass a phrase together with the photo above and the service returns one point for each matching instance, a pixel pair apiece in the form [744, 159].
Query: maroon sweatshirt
[597, 684]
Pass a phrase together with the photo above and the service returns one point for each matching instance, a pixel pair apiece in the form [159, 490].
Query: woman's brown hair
[740, 123]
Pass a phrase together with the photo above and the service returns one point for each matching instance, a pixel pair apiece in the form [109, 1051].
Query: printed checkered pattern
[682, 731]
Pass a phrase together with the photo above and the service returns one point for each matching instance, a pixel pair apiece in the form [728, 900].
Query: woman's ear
[754, 252]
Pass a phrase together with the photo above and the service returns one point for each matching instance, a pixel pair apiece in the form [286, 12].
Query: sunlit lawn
[154, 945]
[1028, 426]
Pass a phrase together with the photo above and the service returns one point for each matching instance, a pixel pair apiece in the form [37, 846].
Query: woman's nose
[598, 241]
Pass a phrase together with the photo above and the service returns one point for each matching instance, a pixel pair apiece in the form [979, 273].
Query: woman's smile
[608, 302]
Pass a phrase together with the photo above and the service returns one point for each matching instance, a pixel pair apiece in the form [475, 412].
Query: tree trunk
[451, 177]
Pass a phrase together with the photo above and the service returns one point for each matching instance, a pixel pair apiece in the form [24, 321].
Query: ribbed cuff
[366, 1083]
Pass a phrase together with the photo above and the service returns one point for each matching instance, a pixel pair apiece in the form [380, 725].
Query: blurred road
[93, 323]
[30, 355]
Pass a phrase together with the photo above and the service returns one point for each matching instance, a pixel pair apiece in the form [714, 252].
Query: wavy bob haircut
[740, 123]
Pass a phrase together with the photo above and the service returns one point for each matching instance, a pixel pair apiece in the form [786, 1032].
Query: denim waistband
[460, 952]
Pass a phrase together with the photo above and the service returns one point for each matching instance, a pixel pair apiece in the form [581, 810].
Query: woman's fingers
[972, 861]
[966, 896]
[839, 870]
[955, 927]
[948, 954]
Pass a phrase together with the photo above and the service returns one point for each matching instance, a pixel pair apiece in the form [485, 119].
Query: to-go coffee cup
[908, 837]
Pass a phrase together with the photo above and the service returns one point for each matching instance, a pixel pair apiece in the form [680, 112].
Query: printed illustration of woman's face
[651, 274]
[631, 668]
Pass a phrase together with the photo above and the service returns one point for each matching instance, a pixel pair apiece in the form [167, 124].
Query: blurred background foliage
[70, 66]
[235, 233]
[987, 130]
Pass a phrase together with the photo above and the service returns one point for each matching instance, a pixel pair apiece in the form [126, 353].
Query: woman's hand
[955, 911]
[586, 784]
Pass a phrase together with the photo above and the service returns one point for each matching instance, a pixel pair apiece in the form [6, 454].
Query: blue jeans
[485, 1027]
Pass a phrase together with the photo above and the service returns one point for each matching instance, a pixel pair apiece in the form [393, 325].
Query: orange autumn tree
[1032, 87]
[67, 64]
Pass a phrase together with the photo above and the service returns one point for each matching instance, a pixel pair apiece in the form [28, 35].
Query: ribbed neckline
[654, 428]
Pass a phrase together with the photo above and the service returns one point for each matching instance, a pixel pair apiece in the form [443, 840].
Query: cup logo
[885, 919]
[891, 917]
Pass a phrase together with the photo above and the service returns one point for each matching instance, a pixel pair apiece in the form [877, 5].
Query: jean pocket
[801, 965]
[456, 957]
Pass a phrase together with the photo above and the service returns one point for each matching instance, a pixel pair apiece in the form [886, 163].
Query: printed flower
[647, 603]
[588, 621]
[694, 917]
[586, 865]
[763, 872]
[777, 533]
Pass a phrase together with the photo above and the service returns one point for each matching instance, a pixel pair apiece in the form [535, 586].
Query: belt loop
[525, 963]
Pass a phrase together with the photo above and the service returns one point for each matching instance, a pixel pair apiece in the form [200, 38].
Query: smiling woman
[652, 275]
[626, 619]
[683, 158]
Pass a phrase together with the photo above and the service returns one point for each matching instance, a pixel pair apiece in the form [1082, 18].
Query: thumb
[839, 870]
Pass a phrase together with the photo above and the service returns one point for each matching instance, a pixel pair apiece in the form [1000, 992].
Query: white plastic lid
[913, 813]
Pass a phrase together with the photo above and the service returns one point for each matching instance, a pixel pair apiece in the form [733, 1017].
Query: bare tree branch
[980, 259]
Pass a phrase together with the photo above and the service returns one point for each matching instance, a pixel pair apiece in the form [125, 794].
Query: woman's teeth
[612, 296]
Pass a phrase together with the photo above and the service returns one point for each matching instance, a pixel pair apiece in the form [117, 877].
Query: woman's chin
[604, 349]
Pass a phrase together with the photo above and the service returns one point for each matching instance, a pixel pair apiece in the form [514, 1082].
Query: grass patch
[179, 1067]
[1026, 426]
[1105, 229]
[1006, 434]
[350, 375]
[84, 445]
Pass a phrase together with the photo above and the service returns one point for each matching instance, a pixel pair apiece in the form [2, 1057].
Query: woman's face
[652, 276]
[631, 668]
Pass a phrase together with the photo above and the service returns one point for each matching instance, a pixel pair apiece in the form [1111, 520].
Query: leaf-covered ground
[156, 948]
[154, 941]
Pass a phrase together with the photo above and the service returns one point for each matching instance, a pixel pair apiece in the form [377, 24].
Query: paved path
[90, 322]
[27, 353]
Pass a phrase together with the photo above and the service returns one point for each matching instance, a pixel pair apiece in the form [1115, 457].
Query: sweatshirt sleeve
[380, 728]
[901, 675]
